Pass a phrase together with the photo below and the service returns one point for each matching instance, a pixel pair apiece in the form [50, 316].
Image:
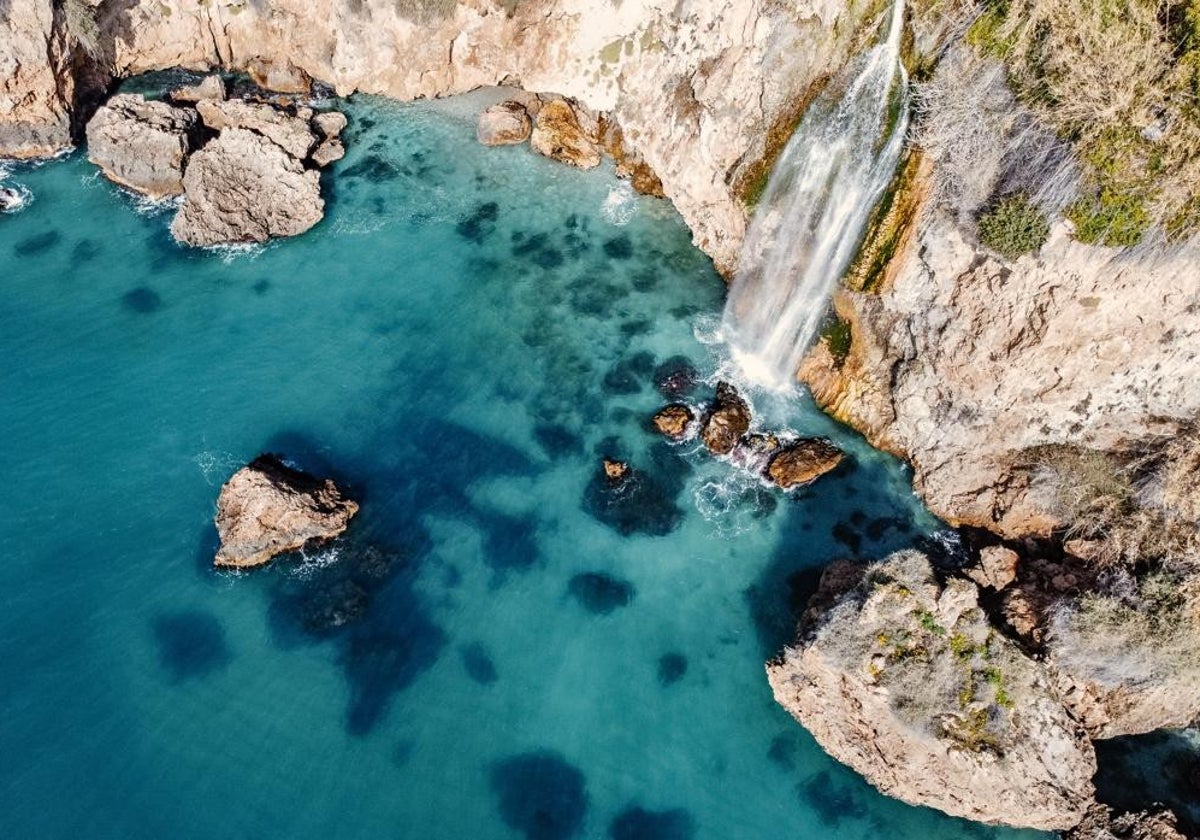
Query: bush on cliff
[1014, 226]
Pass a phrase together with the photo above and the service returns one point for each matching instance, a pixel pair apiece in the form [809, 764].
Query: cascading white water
[810, 221]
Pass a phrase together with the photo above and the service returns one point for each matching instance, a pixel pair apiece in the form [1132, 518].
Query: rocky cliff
[700, 89]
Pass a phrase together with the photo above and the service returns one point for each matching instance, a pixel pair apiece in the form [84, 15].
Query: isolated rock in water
[803, 461]
[504, 124]
[293, 134]
[209, 88]
[241, 187]
[1101, 824]
[141, 144]
[674, 421]
[903, 679]
[329, 151]
[268, 508]
[615, 471]
[329, 124]
[726, 421]
[556, 134]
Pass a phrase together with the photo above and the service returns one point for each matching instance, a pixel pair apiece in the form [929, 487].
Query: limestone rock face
[141, 144]
[241, 187]
[268, 508]
[503, 124]
[330, 124]
[209, 88]
[557, 134]
[1102, 824]
[36, 83]
[329, 151]
[803, 462]
[967, 365]
[726, 420]
[902, 678]
[293, 134]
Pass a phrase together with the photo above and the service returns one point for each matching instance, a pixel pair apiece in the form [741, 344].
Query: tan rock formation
[674, 421]
[36, 84]
[1102, 824]
[293, 134]
[141, 144]
[209, 88]
[557, 134]
[267, 509]
[503, 124]
[903, 679]
[726, 420]
[803, 462]
[241, 187]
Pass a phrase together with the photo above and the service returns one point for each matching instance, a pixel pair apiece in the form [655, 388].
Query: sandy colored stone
[674, 421]
[209, 88]
[803, 462]
[558, 135]
[291, 133]
[141, 144]
[241, 187]
[504, 124]
[267, 509]
[727, 419]
[330, 124]
[329, 151]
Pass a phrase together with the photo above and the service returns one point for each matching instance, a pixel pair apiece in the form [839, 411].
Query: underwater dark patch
[557, 441]
[261, 287]
[191, 644]
[645, 501]
[373, 168]
[537, 249]
[618, 248]
[636, 823]
[783, 750]
[671, 668]
[600, 593]
[630, 374]
[85, 251]
[540, 795]
[383, 658]
[676, 377]
[142, 300]
[844, 533]
[480, 224]
[37, 244]
[478, 664]
[639, 326]
[834, 796]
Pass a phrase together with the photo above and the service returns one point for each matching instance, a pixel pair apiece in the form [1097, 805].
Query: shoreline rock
[267, 508]
[726, 421]
[803, 462]
[504, 124]
[141, 144]
[558, 135]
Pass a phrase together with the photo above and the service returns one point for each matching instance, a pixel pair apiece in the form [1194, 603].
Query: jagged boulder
[803, 462]
[293, 134]
[242, 187]
[209, 88]
[557, 134]
[267, 509]
[141, 144]
[902, 678]
[726, 420]
[504, 124]
[674, 421]
[1102, 824]
[330, 124]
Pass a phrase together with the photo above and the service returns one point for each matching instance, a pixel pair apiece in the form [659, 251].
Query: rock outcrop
[558, 135]
[1102, 824]
[726, 420]
[903, 678]
[37, 84]
[209, 88]
[142, 144]
[242, 187]
[803, 462]
[292, 133]
[504, 124]
[675, 421]
[267, 509]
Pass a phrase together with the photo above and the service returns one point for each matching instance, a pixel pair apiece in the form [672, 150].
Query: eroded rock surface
[503, 124]
[675, 421]
[803, 462]
[292, 133]
[242, 187]
[209, 88]
[558, 135]
[726, 420]
[267, 509]
[142, 144]
[902, 678]
[1102, 824]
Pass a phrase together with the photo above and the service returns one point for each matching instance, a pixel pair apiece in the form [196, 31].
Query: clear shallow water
[493, 645]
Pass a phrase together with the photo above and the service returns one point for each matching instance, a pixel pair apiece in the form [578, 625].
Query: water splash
[811, 219]
[620, 206]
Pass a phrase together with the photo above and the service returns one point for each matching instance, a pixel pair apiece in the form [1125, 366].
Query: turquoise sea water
[498, 647]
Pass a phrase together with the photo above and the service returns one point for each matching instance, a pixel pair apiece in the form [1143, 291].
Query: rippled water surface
[498, 648]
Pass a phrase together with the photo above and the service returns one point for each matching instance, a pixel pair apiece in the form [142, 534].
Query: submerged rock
[676, 377]
[141, 144]
[242, 187]
[557, 134]
[10, 199]
[267, 508]
[726, 421]
[675, 421]
[902, 678]
[803, 462]
[504, 124]
[210, 87]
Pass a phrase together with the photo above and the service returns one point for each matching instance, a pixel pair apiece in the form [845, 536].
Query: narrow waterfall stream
[810, 221]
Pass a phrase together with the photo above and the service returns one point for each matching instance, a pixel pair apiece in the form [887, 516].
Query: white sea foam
[310, 564]
[620, 205]
[215, 466]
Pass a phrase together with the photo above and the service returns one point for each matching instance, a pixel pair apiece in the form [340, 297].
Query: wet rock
[329, 124]
[10, 199]
[675, 421]
[328, 152]
[726, 421]
[504, 124]
[210, 87]
[1101, 823]
[997, 567]
[141, 144]
[242, 187]
[676, 377]
[556, 134]
[803, 462]
[267, 508]
[615, 471]
[760, 444]
[900, 676]
[293, 134]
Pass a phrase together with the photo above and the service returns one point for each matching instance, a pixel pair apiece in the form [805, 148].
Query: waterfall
[819, 198]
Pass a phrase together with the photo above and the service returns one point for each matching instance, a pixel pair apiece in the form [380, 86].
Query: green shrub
[1013, 226]
[837, 336]
[1112, 217]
